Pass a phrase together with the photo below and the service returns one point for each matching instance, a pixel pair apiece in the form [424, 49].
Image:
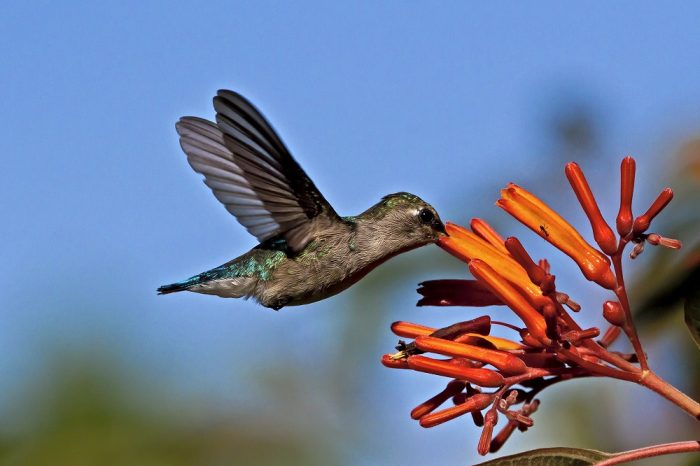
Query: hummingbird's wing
[252, 173]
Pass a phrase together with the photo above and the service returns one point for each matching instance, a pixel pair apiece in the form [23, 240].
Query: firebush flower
[537, 216]
[491, 376]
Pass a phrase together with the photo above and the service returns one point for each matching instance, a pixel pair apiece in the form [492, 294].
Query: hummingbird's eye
[426, 216]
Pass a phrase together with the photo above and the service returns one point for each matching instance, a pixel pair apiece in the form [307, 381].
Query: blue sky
[449, 100]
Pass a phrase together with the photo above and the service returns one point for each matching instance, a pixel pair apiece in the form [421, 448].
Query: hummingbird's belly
[306, 282]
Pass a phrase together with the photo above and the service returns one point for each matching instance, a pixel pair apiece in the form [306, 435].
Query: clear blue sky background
[445, 99]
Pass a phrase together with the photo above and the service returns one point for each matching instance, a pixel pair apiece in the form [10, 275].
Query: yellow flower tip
[532, 319]
[497, 342]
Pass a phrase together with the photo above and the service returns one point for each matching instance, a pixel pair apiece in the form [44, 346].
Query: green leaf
[560, 456]
[692, 315]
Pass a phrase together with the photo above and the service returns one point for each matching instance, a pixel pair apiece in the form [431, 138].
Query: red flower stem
[655, 450]
[505, 324]
[598, 369]
[671, 393]
[595, 348]
[628, 327]
[565, 373]
[611, 358]
[610, 335]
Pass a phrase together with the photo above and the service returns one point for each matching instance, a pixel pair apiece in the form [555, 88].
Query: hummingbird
[306, 251]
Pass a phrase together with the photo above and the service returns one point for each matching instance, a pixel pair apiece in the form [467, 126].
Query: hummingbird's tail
[173, 288]
[221, 281]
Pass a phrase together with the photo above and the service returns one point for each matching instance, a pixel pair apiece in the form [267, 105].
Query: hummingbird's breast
[329, 264]
[321, 270]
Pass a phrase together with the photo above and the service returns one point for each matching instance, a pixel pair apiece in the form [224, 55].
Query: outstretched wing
[252, 173]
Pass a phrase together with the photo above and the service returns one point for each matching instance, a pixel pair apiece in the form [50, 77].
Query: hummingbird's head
[410, 218]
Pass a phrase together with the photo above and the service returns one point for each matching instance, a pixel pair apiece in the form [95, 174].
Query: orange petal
[537, 216]
[410, 330]
[532, 319]
[467, 246]
[483, 229]
[481, 377]
[503, 361]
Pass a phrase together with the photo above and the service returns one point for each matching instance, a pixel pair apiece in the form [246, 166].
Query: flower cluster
[495, 377]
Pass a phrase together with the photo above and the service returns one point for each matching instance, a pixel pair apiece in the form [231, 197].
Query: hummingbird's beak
[439, 226]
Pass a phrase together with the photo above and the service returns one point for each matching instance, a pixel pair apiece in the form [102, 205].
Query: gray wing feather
[250, 171]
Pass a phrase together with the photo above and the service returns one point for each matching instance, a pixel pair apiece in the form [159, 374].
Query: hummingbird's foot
[280, 303]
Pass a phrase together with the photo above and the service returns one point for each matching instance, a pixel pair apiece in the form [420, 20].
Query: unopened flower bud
[563, 298]
[516, 249]
[430, 405]
[613, 313]
[658, 240]
[642, 222]
[473, 403]
[490, 420]
[602, 233]
[637, 250]
[624, 216]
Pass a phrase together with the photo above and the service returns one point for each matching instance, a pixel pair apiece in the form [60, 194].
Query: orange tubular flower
[474, 403]
[602, 232]
[483, 229]
[537, 216]
[466, 246]
[502, 360]
[533, 320]
[481, 377]
[430, 405]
